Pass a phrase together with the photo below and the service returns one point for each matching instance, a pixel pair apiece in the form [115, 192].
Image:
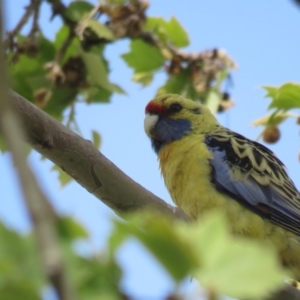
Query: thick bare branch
[82, 161]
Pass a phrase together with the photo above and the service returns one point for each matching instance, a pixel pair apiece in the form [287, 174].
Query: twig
[80, 27]
[58, 8]
[33, 6]
[63, 48]
[41, 212]
[36, 14]
[56, 73]
[95, 10]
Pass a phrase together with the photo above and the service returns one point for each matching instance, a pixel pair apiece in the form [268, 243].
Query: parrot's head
[170, 117]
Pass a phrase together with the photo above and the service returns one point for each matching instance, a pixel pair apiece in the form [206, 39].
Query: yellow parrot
[206, 166]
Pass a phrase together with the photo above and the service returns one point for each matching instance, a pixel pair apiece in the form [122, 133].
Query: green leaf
[180, 84]
[143, 57]
[177, 35]
[118, 2]
[18, 258]
[161, 238]
[28, 75]
[72, 50]
[284, 97]
[96, 277]
[163, 242]
[101, 30]
[77, 9]
[20, 290]
[63, 177]
[234, 266]
[61, 36]
[271, 91]
[96, 139]
[61, 98]
[46, 51]
[175, 84]
[116, 88]
[143, 78]
[159, 27]
[98, 73]
[96, 95]
[168, 31]
[26, 64]
[69, 229]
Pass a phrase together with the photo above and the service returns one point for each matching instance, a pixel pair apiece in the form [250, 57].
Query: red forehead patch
[155, 108]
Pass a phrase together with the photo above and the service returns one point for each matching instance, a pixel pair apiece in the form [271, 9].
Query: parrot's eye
[174, 108]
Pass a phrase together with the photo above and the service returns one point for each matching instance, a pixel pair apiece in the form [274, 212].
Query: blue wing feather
[266, 200]
[248, 189]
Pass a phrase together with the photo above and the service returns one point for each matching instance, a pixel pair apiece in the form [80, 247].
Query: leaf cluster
[205, 250]
[284, 98]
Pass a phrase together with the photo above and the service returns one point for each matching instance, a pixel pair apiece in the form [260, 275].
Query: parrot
[206, 166]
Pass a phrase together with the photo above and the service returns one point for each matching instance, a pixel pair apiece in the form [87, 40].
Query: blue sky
[261, 36]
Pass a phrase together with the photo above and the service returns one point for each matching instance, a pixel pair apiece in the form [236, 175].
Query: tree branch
[41, 212]
[36, 14]
[58, 8]
[82, 161]
[32, 7]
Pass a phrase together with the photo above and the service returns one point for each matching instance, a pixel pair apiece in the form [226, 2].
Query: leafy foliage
[284, 98]
[168, 31]
[162, 239]
[206, 250]
[17, 260]
[180, 84]
[234, 266]
[143, 58]
[55, 75]
[93, 277]
[77, 9]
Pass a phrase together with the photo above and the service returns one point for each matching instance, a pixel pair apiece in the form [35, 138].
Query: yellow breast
[185, 167]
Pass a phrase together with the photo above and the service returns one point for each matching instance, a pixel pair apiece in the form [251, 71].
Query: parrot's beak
[149, 123]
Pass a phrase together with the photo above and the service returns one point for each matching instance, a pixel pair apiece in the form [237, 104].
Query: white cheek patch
[149, 123]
